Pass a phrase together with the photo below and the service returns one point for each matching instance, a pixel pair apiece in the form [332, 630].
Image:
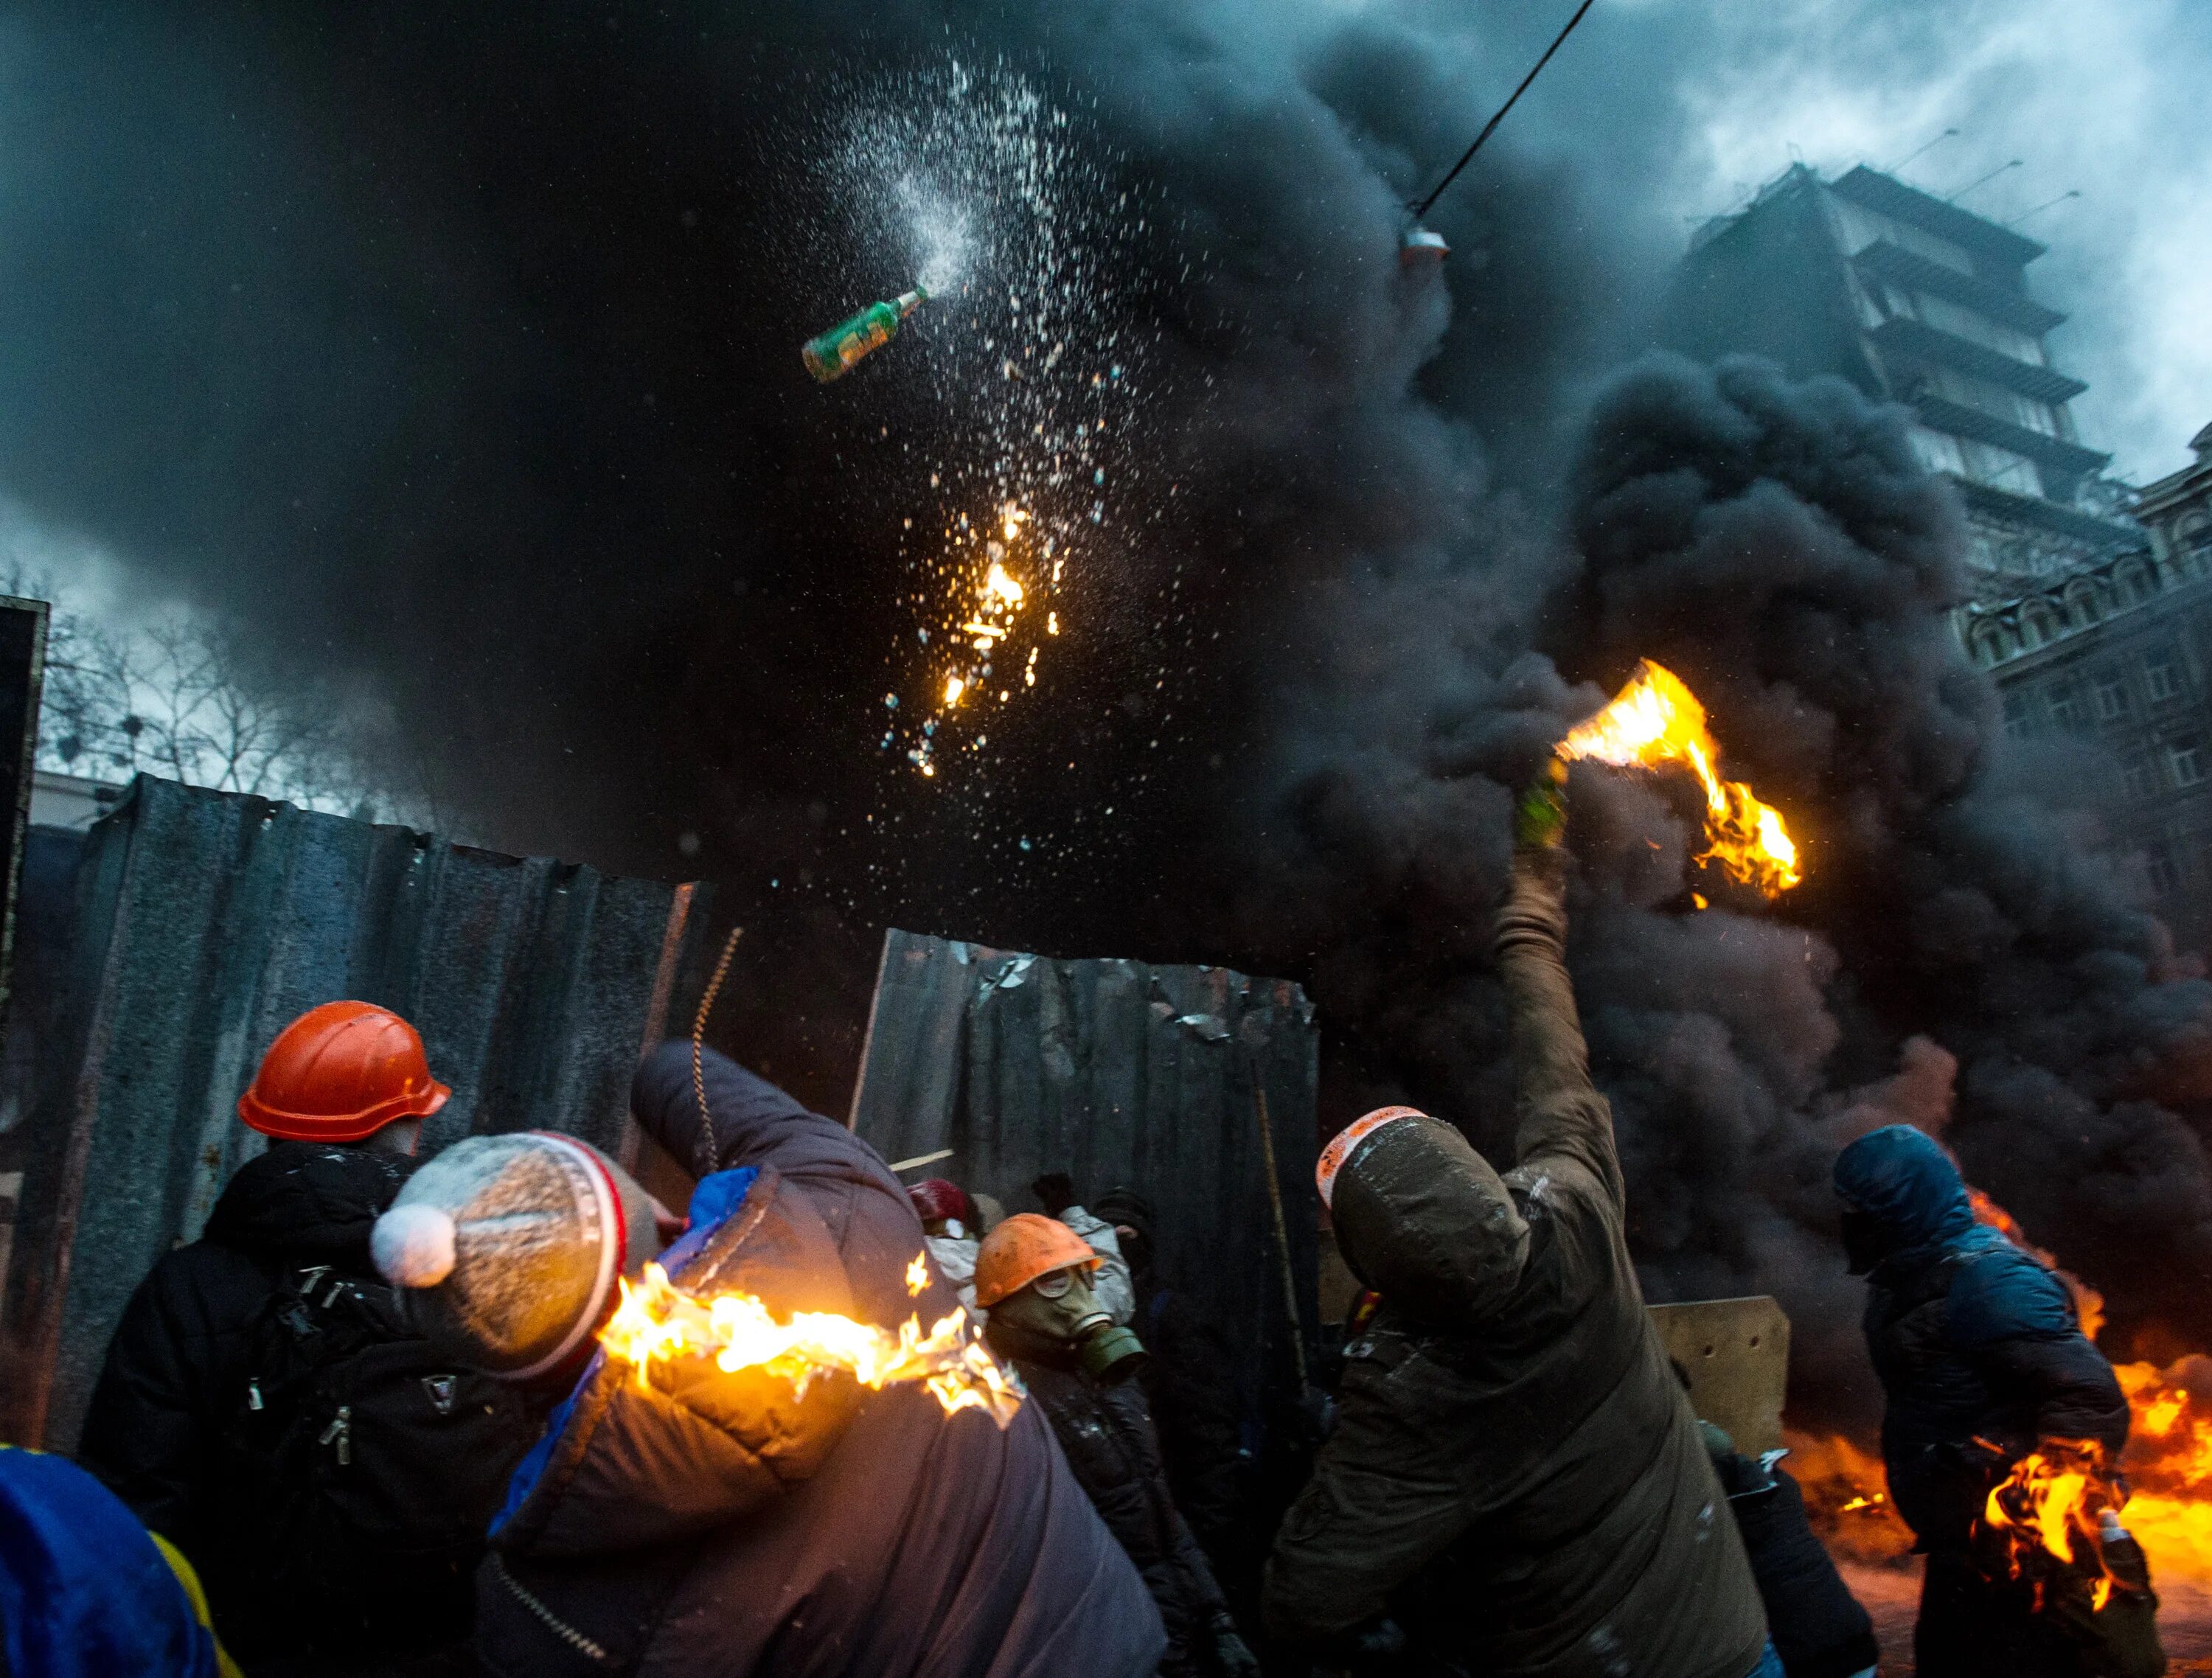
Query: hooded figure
[702, 1521]
[1982, 1358]
[1516, 1476]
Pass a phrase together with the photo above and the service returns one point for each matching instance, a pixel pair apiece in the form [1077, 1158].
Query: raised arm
[745, 1121]
[1558, 1109]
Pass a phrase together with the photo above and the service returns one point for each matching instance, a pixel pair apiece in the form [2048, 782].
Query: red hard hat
[1023, 1249]
[340, 1072]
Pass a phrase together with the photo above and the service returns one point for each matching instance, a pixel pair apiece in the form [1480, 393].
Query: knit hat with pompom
[508, 1247]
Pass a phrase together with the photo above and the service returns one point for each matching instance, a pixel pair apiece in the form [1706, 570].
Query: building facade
[1918, 302]
[2090, 604]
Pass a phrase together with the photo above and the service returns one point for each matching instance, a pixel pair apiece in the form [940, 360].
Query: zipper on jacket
[253, 1394]
[552, 1622]
[341, 1430]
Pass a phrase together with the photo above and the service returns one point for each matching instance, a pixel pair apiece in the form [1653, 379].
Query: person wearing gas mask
[1515, 1475]
[1034, 1276]
[677, 1518]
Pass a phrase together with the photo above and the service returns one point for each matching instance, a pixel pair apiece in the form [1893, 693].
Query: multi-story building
[2091, 603]
[1916, 301]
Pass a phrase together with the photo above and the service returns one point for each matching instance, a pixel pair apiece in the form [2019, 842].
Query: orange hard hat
[1021, 1250]
[340, 1072]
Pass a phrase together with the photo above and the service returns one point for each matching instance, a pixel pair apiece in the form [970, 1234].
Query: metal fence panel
[1120, 1073]
[204, 922]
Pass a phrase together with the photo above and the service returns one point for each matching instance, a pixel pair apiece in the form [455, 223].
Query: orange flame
[2167, 1464]
[1656, 720]
[657, 1320]
[2050, 1505]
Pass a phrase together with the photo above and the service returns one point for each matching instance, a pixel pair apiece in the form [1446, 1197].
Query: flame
[659, 1321]
[2049, 1509]
[1847, 1499]
[981, 618]
[917, 1277]
[2050, 1505]
[1654, 720]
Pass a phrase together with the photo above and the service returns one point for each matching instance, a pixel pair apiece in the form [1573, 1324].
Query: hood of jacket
[1425, 1221]
[310, 1200]
[1902, 1179]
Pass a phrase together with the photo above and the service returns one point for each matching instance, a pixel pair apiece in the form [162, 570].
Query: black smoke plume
[451, 353]
[1953, 960]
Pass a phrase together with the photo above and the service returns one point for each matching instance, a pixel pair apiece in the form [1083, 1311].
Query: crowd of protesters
[364, 1425]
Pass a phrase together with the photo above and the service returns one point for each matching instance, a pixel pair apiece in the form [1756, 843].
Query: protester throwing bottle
[1515, 1476]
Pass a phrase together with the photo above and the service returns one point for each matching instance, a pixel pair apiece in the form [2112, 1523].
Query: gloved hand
[1539, 818]
[1232, 1658]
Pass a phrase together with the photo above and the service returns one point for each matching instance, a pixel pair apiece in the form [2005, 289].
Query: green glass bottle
[833, 353]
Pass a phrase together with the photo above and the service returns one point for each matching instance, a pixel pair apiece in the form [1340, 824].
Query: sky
[2104, 99]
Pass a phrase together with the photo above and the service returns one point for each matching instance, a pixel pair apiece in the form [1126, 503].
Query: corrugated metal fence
[1117, 1072]
[207, 921]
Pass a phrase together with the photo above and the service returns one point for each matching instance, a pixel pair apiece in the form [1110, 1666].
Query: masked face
[1060, 1309]
[1867, 1241]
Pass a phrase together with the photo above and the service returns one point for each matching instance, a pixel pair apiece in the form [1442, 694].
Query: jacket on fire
[1973, 1339]
[1515, 1473]
[722, 1524]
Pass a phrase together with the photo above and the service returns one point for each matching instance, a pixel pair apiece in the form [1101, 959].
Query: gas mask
[1059, 1309]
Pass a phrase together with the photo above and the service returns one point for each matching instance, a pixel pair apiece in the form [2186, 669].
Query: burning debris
[981, 616]
[1032, 390]
[658, 1322]
[1656, 720]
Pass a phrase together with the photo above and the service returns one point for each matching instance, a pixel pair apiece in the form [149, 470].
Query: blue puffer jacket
[1973, 1339]
[723, 1525]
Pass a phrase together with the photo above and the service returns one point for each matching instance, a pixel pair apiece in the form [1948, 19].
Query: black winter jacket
[1107, 1435]
[176, 1370]
[1973, 1339]
[1818, 1627]
[715, 1524]
[1188, 1386]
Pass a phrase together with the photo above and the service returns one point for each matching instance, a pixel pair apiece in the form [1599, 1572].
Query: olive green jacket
[1516, 1474]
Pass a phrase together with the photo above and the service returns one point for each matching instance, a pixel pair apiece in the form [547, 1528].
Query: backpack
[371, 1467]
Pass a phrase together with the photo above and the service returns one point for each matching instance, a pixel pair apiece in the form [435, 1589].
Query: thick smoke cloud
[452, 354]
[1953, 960]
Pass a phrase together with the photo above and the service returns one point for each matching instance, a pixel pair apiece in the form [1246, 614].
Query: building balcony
[1890, 197]
[2067, 460]
[1886, 260]
[1900, 335]
[2007, 506]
